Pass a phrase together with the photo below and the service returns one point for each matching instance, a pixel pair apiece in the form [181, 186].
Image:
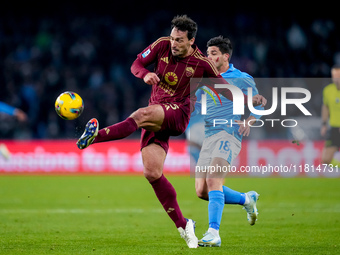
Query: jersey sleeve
[5, 108]
[212, 72]
[147, 57]
[198, 103]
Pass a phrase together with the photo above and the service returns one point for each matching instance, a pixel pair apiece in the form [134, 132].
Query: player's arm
[218, 79]
[148, 56]
[245, 129]
[258, 100]
[245, 125]
[211, 72]
[249, 82]
[19, 114]
[324, 113]
[226, 92]
[198, 103]
[138, 69]
[324, 118]
[5, 108]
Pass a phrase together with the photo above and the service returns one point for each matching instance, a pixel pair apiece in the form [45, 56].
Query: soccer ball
[69, 105]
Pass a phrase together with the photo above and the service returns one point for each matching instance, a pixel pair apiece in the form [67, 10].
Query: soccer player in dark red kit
[177, 59]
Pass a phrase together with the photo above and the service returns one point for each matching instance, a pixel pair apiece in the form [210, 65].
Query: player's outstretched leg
[115, 132]
[90, 133]
[251, 207]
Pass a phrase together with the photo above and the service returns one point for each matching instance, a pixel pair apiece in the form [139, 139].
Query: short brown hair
[184, 23]
[223, 44]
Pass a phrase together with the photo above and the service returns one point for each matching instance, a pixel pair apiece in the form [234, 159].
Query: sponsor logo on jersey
[171, 78]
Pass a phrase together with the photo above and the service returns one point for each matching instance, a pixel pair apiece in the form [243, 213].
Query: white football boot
[251, 207]
[210, 240]
[188, 234]
[91, 131]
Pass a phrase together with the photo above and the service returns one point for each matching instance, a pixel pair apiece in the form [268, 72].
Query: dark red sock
[166, 194]
[116, 131]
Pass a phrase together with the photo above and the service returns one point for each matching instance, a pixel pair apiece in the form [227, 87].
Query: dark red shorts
[175, 123]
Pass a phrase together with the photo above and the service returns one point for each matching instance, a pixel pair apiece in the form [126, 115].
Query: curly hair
[184, 23]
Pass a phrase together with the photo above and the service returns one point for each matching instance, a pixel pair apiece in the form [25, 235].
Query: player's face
[216, 56]
[180, 44]
[336, 76]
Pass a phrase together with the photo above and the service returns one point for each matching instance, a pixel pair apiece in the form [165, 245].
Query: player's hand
[323, 130]
[21, 116]
[245, 125]
[151, 79]
[259, 100]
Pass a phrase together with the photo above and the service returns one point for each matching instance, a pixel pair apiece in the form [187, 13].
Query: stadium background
[47, 49]
[52, 46]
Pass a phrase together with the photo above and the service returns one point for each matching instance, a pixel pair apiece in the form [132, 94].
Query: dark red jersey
[174, 73]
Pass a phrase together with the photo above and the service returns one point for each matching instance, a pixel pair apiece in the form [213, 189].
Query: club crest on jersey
[171, 78]
[146, 53]
[189, 71]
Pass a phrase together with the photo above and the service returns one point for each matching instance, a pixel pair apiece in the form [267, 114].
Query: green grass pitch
[121, 215]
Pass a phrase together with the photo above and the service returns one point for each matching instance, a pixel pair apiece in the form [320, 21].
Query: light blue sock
[215, 208]
[233, 197]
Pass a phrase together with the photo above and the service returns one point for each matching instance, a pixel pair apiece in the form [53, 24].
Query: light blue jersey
[225, 111]
[7, 108]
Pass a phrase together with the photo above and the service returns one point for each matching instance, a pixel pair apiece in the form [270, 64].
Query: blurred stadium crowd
[91, 55]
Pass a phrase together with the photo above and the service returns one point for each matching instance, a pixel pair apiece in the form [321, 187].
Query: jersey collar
[230, 69]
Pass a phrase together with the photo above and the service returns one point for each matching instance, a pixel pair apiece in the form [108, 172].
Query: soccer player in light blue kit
[222, 144]
[10, 110]
[19, 114]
